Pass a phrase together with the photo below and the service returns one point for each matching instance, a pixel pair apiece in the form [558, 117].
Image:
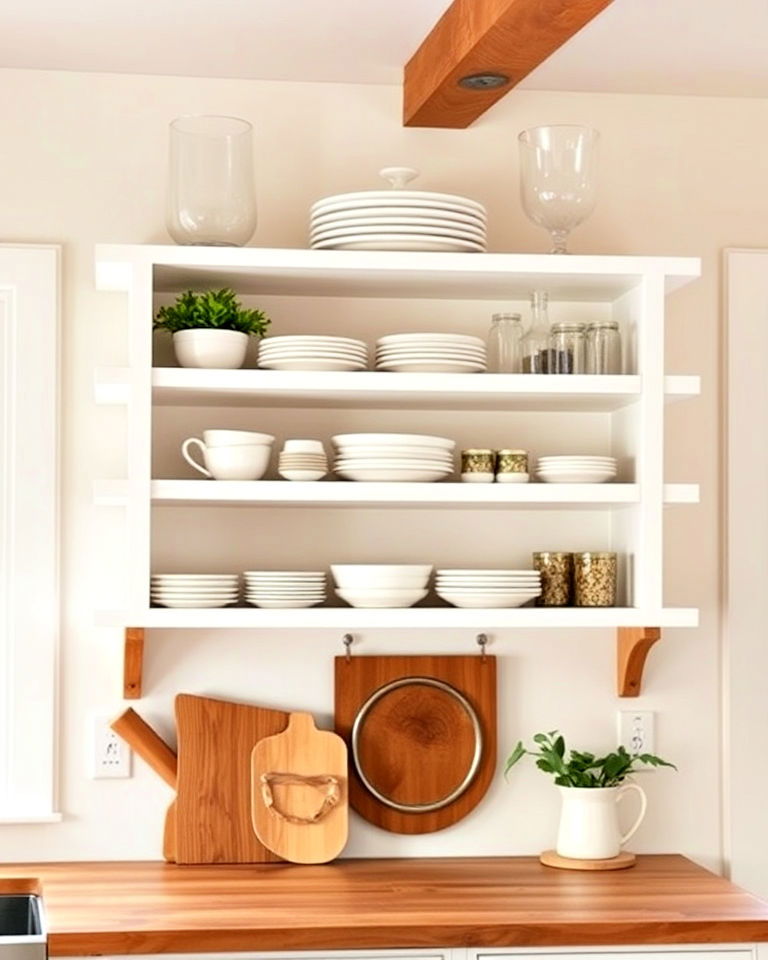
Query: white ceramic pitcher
[589, 822]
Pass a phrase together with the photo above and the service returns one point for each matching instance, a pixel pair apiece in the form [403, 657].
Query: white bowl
[302, 475]
[213, 349]
[304, 446]
[365, 597]
[282, 604]
[381, 576]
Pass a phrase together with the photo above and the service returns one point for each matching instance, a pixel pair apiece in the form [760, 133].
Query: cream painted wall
[84, 161]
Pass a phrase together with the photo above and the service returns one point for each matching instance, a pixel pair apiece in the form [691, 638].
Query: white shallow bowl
[489, 600]
[382, 598]
[314, 447]
[302, 476]
[381, 575]
[576, 477]
[282, 604]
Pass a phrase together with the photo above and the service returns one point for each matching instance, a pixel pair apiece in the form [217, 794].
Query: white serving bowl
[381, 576]
[366, 597]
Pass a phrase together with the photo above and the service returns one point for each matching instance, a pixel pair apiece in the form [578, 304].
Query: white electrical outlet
[636, 730]
[110, 754]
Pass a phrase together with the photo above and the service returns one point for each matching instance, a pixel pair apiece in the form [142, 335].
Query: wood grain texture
[133, 662]
[213, 807]
[510, 37]
[633, 644]
[303, 750]
[407, 750]
[129, 907]
[551, 858]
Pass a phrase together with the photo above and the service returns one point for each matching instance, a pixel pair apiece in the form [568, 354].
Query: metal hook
[348, 640]
[482, 640]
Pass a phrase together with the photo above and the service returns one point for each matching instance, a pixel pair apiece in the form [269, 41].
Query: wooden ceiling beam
[506, 37]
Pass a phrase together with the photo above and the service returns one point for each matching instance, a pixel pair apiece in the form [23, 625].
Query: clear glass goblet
[558, 177]
[211, 191]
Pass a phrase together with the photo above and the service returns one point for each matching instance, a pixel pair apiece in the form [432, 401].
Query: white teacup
[233, 438]
[236, 462]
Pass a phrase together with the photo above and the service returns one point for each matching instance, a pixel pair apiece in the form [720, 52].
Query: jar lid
[506, 316]
[568, 327]
[513, 451]
[478, 450]
[596, 555]
[603, 325]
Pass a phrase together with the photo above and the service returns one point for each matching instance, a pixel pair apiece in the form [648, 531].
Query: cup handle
[192, 441]
[643, 806]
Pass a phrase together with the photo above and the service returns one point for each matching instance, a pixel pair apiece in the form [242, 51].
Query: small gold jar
[478, 465]
[512, 461]
[594, 579]
[556, 578]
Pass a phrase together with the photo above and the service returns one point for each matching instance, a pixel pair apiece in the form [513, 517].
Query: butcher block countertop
[135, 907]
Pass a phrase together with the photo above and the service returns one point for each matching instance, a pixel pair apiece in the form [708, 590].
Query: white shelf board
[336, 494]
[178, 386]
[313, 273]
[412, 618]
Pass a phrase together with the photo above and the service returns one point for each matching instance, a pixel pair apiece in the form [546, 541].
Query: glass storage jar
[556, 571]
[603, 347]
[567, 347]
[505, 343]
[594, 579]
[536, 341]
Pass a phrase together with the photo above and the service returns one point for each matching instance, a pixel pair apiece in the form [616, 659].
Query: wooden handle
[150, 747]
[329, 784]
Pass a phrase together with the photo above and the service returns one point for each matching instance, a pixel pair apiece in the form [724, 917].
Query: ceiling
[697, 47]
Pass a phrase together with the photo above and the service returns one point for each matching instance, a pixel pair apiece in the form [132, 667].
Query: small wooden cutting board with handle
[299, 792]
[213, 807]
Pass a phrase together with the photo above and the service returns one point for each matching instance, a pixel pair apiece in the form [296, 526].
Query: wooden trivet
[550, 858]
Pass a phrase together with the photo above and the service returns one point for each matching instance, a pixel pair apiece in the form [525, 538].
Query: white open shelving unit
[628, 515]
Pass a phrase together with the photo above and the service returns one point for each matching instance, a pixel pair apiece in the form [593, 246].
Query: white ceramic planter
[219, 349]
[589, 823]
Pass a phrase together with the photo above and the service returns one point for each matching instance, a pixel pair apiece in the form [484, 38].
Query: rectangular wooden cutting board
[213, 806]
[417, 735]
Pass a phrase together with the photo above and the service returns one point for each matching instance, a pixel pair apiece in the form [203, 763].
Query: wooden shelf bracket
[133, 662]
[632, 646]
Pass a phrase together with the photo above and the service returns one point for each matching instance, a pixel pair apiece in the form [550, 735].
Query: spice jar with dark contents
[556, 578]
[535, 347]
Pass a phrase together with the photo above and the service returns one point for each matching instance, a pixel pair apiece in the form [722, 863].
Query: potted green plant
[210, 329]
[590, 787]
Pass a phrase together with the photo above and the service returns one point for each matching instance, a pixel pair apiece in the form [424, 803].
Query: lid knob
[399, 177]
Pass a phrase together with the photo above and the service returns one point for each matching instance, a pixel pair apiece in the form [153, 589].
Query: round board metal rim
[474, 766]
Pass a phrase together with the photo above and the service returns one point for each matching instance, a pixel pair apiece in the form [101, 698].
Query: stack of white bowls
[275, 589]
[576, 469]
[488, 588]
[303, 460]
[398, 219]
[395, 457]
[431, 353]
[381, 584]
[194, 589]
[313, 353]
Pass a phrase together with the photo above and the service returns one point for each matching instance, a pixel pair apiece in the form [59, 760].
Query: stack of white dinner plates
[313, 353]
[398, 457]
[398, 219]
[381, 584]
[194, 589]
[431, 353]
[576, 469]
[488, 588]
[284, 588]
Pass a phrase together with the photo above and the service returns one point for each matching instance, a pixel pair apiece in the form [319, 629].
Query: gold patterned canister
[512, 461]
[594, 579]
[478, 461]
[556, 578]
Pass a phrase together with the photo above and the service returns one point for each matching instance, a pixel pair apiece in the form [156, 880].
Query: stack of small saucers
[313, 353]
[576, 469]
[379, 585]
[194, 589]
[276, 589]
[395, 457]
[488, 588]
[398, 219]
[431, 353]
[303, 460]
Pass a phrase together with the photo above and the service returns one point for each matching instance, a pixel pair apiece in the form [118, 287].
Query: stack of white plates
[576, 469]
[381, 584]
[313, 353]
[488, 588]
[284, 588]
[397, 457]
[398, 219]
[431, 353]
[194, 589]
